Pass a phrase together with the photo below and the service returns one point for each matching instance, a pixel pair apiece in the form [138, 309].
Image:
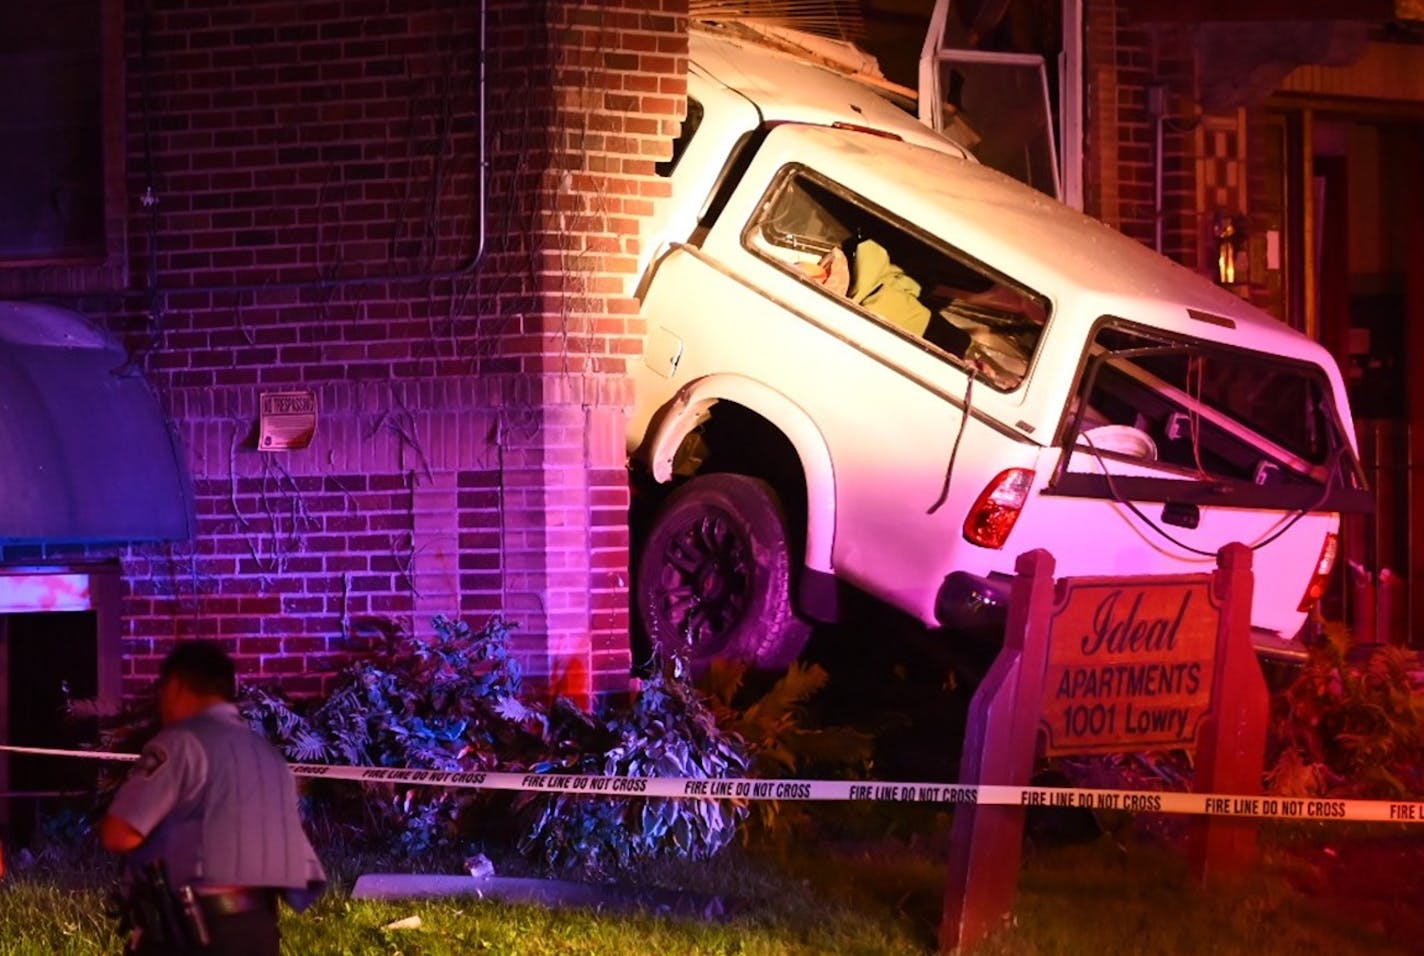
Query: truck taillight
[992, 518]
[1320, 580]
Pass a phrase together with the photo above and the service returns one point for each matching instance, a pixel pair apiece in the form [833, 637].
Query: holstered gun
[156, 917]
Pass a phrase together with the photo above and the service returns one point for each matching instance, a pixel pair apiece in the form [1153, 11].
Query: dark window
[53, 66]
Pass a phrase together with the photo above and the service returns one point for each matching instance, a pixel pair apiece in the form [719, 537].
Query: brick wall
[1264, 212]
[615, 80]
[1120, 134]
[317, 170]
[1174, 71]
[1126, 60]
[1100, 180]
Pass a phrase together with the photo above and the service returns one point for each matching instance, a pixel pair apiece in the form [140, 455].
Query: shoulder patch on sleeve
[149, 762]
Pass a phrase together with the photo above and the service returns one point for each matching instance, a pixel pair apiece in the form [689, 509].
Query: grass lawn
[867, 896]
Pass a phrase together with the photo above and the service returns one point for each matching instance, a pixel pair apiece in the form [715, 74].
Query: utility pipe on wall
[1070, 105]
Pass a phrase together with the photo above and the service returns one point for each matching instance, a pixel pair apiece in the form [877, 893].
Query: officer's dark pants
[252, 932]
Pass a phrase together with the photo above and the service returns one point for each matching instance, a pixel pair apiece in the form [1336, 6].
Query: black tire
[714, 579]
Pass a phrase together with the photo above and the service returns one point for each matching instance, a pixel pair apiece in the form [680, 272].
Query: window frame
[91, 272]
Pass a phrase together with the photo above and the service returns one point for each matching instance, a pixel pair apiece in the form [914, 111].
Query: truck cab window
[830, 237]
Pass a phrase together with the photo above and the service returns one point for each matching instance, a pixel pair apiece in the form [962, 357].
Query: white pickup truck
[873, 363]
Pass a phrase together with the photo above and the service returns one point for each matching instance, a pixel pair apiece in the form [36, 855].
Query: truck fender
[692, 406]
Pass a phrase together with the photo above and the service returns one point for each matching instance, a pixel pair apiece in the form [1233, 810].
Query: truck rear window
[828, 235]
[1210, 411]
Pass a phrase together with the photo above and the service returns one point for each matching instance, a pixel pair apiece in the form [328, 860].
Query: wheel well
[736, 439]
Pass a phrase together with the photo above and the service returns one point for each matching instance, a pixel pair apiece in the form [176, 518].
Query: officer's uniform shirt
[218, 805]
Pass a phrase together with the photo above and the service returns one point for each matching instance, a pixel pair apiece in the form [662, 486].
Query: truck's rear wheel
[714, 580]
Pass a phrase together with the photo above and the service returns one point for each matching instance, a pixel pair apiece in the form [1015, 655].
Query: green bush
[453, 702]
[779, 741]
[449, 702]
[1350, 725]
[669, 732]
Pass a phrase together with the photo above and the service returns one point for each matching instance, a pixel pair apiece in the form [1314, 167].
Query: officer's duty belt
[230, 902]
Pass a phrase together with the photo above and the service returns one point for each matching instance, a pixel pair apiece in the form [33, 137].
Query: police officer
[217, 805]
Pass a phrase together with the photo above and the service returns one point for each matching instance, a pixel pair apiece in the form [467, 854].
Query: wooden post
[1231, 751]
[987, 841]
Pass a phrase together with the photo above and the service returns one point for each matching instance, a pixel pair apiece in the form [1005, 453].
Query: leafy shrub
[446, 703]
[778, 741]
[669, 732]
[452, 702]
[1350, 725]
[721, 728]
[437, 704]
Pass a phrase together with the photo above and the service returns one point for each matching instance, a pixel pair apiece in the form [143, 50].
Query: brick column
[1100, 172]
[609, 91]
[1120, 132]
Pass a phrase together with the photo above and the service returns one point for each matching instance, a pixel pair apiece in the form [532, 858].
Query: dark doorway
[1348, 275]
[1367, 237]
[46, 659]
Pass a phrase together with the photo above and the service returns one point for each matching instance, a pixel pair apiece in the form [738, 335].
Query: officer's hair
[201, 666]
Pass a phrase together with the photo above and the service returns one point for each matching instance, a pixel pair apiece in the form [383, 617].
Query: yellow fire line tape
[729, 788]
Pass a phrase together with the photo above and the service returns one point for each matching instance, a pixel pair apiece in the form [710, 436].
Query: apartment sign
[1131, 664]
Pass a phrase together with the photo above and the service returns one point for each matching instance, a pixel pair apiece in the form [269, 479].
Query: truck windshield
[1210, 411]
